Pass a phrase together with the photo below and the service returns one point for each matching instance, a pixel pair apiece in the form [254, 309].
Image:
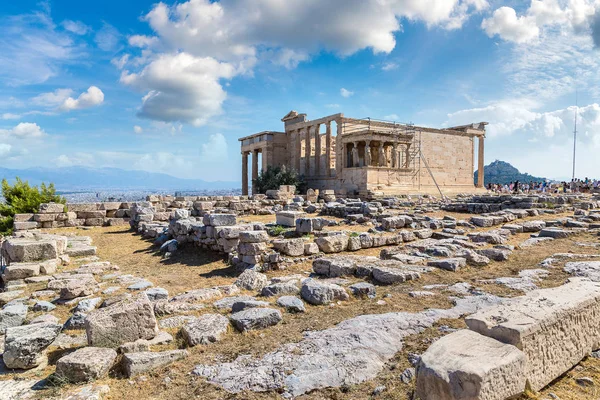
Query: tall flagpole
[575, 132]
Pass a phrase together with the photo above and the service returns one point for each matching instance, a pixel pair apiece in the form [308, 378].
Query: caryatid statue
[367, 153]
[355, 160]
[382, 159]
[395, 156]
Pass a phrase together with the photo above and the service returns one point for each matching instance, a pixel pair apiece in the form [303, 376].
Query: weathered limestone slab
[449, 264]
[12, 315]
[25, 345]
[288, 218]
[332, 244]
[251, 280]
[20, 271]
[86, 364]
[290, 247]
[28, 250]
[127, 321]
[137, 363]
[467, 365]
[51, 208]
[555, 328]
[317, 293]
[388, 276]
[255, 318]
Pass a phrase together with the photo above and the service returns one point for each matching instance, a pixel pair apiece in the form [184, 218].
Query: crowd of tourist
[574, 186]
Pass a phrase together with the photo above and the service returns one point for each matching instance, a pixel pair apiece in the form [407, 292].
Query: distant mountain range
[83, 178]
[502, 172]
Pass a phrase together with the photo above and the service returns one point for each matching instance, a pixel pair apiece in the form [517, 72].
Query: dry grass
[191, 268]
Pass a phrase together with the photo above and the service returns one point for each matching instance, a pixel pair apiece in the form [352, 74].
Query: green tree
[274, 177]
[22, 198]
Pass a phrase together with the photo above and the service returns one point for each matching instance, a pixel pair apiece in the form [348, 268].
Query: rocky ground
[354, 330]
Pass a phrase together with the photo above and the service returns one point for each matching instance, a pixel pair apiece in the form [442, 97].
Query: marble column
[298, 150]
[317, 150]
[245, 173]
[307, 152]
[254, 171]
[338, 149]
[407, 157]
[480, 164]
[328, 149]
[395, 156]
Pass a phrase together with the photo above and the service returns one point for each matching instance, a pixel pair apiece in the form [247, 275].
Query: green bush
[274, 177]
[277, 230]
[22, 198]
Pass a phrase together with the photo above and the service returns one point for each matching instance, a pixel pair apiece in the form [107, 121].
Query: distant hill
[502, 172]
[83, 178]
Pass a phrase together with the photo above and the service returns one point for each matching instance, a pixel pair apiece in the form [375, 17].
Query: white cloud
[533, 133]
[52, 99]
[10, 116]
[181, 87]
[107, 38]
[389, 66]
[90, 98]
[345, 93]
[505, 23]
[142, 41]
[77, 27]
[32, 50]
[120, 62]
[576, 16]
[138, 129]
[5, 149]
[23, 130]
[237, 34]
[215, 148]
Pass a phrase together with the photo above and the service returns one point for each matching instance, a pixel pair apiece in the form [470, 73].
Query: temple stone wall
[450, 158]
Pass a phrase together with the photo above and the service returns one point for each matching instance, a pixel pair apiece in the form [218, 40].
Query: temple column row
[377, 155]
[245, 171]
[305, 134]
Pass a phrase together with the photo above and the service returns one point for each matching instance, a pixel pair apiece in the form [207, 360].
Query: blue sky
[169, 87]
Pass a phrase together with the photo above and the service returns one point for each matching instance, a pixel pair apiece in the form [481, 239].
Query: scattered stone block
[123, 322]
[388, 276]
[24, 345]
[332, 244]
[288, 218]
[86, 364]
[206, 329]
[137, 363]
[449, 264]
[290, 247]
[11, 316]
[255, 318]
[281, 288]
[363, 289]
[555, 328]
[220, 219]
[467, 365]
[317, 293]
[29, 250]
[291, 304]
[555, 233]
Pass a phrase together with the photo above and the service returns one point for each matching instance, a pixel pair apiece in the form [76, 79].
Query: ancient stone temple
[369, 157]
